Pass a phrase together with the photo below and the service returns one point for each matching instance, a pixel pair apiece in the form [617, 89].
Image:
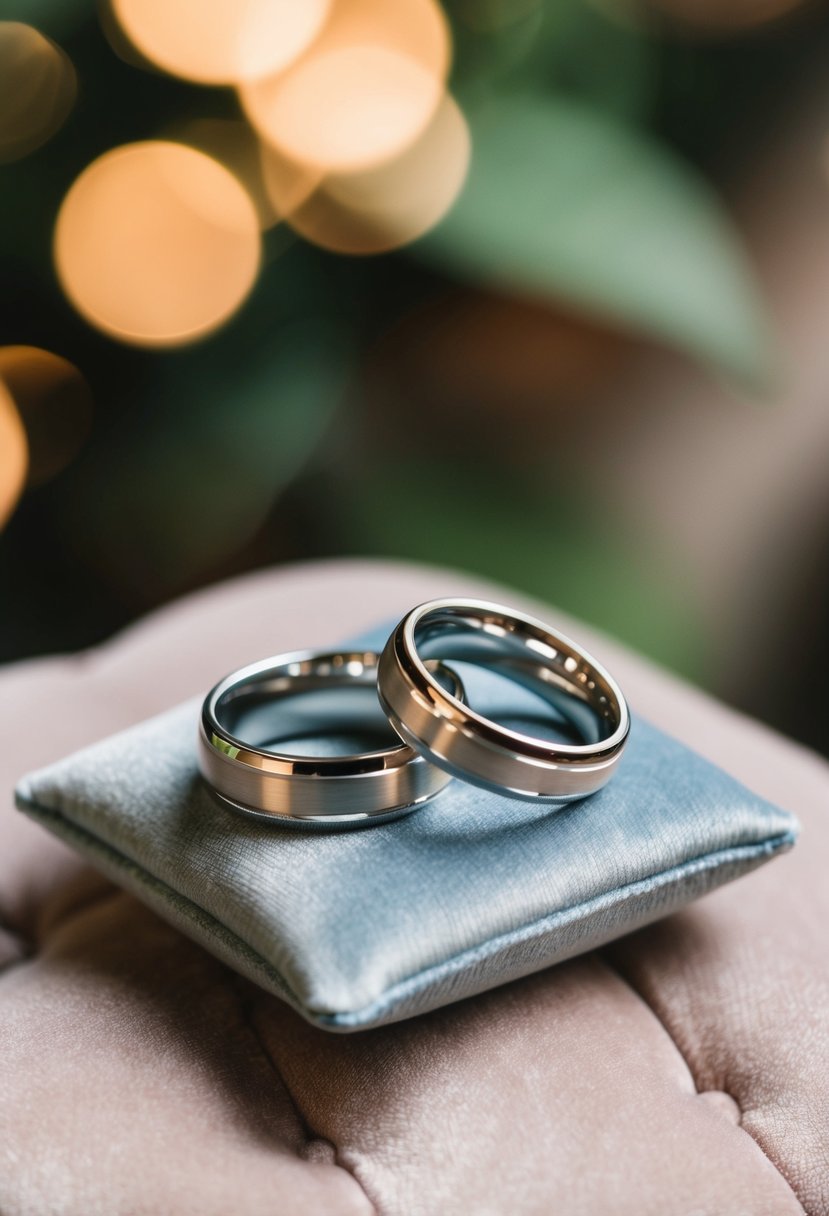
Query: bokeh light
[287, 184]
[54, 403]
[221, 41]
[233, 143]
[383, 208]
[37, 89]
[13, 455]
[157, 243]
[365, 89]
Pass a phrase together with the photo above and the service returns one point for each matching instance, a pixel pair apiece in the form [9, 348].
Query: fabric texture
[682, 1069]
[364, 928]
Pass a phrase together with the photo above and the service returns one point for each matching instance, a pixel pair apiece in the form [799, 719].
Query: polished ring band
[325, 791]
[466, 744]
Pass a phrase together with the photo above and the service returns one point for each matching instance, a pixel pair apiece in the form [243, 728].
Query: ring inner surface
[307, 711]
[323, 709]
[327, 720]
[581, 702]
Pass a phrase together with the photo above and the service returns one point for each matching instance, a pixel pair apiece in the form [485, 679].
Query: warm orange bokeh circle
[157, 243]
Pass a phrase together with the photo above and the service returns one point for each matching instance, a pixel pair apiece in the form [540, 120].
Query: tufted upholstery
[684, 1071]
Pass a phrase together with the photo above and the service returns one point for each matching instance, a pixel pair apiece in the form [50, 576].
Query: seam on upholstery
[310, 1134]
[33, 943]
[34, 935]
[692, 1072]
[604, 953]
[102, 896]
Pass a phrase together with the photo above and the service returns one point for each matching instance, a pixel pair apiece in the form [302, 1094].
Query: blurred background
[537, 289]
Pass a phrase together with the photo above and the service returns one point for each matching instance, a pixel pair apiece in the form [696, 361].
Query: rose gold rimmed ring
[450, 734]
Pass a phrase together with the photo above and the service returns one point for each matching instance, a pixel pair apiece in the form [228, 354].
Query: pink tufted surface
[682, 1072]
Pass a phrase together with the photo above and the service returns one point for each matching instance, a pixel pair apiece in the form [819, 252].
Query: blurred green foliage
[240, 450]
[553, 543]
[564, 201]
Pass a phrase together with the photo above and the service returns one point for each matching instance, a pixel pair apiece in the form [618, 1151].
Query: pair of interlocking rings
[244, 757]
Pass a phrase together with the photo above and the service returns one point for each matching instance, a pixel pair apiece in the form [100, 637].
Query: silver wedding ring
[250, 718]
[453, 736]
[244, 755]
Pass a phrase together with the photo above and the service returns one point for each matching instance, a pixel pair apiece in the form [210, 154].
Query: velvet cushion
[685, 1068]
[364, 928]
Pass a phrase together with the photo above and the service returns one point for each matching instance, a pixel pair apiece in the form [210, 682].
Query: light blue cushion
[362, 928]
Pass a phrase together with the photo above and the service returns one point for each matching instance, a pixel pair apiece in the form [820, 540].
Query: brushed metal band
[466, 744]
[267, 781]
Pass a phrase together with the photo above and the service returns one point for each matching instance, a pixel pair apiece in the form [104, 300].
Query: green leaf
[564, 202]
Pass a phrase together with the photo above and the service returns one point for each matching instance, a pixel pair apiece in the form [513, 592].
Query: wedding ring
[248, 719]
[453, 736]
